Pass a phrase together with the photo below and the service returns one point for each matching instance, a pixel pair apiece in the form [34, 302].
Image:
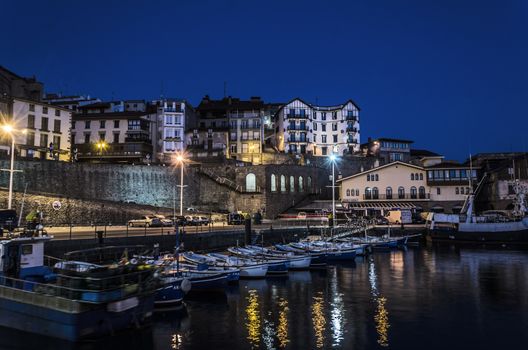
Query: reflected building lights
[253, 318]
[282, 329]
[381, 317]
[318, 319]
[337, 313]
[268, 335]
[176, 341]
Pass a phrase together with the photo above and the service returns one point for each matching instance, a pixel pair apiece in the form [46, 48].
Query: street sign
[56, 205]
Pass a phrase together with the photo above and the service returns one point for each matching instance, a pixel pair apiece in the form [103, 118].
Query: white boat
[248, 268]
[297, 261]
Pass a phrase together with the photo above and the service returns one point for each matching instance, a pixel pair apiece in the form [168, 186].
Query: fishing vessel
[507, 227]
[74, 300]
[297, 261]
[247, 268]
[276, 266]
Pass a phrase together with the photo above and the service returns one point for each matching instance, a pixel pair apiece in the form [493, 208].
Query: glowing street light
[180, 160]
[10, 130]
[101, 145]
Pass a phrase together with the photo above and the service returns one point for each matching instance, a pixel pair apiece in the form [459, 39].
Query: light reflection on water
[282, 328]
[381, 317]
[253, 318]
[337, 312]
[318, 319]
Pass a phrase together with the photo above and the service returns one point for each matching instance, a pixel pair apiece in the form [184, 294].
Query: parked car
[164, 221]
[145, 221]
[203, 220]
[191, 209]
[181, 220]
[192, 220]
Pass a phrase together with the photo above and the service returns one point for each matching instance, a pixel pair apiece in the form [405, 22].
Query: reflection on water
[381, 317]
[282, 329]
[318, 319]
[337, 312]
[253, 318]
[176, 341]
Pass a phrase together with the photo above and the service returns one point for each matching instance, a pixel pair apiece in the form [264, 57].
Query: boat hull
[256, 271]
[503, 237]
[73, 326]
[344, 255]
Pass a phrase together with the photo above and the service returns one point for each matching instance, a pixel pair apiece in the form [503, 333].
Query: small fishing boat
[297, 261]
[333, 252]
[318, 258]
[247, 267]
[276, 266]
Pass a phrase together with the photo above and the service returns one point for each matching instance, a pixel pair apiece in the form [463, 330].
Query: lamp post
[180, 159]
[333, 160]
[101, 145]
[8, 129]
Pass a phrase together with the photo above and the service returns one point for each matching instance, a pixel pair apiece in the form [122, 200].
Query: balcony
[351, 140]
[172, 110]
[299, 140]
[351, 118]
[396, 196]
[114, 150]
[352, 130]
[249, 126]
[297, 128]
[296, 116]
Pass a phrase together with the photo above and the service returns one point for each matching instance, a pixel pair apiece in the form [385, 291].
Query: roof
[230, 103]
[392, 140]
[423, 153]
[382, 167]
[40, 103]
[322, 107]
[110, 115]
[449, 165]
[97, 105]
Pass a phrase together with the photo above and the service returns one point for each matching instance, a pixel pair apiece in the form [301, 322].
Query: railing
[396, 196]
[296, 139]
[249, 126]
[173, 110]
[351, 129]
[298, 128]
[297, 116]
[351, 118]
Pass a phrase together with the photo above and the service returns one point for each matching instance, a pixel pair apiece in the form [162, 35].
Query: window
[31, 121]
[251, 183]
[30, 138]
[323, 138]
[377, 177]
[357, 192]
[245, 148]
[57, 126]
[438, 192]
[44, 124]
[323, 127]
[368, 193]
[57, 112]
[43, 140]
[283, 183]
[102, 136]
[309, 184]
[27, 249]
[87, 124]
[467, 190]
[87, 137]
[395, 157]
[421, 192]
[300, 183]
[421, 176]
[375, 193]
[348, 192]
[412, 176]
[456, 190]
[292, 184]
[102, 124]
[335, 139]
[413, 193]
[314, 126]
[73, 124]
[32, 108]
[116, 124]
[324, 151]
[334, 115]
[323, 116]
[56, 142]
[273, 183]
[116, 138]
[334, 126]
[388, 192]
[401, 193]
[44, 110]
[368, 177]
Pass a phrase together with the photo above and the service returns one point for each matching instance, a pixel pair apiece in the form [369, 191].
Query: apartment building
[305, 128]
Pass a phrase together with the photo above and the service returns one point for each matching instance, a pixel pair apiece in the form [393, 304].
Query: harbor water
[442, 297]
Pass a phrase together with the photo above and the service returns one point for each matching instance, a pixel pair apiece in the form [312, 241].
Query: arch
[401, 192]
[421, 192]
[377, 177]
[273, 183]
[412, 176]
[357, 192]
[292, 183]
[421, 176]
[251, 183]
[283, 183]
[309, 184]
[300, 183]
[368, 193]
[375, 193]
[348, 192]
[388, 192]
[368, 177]
[414, 194]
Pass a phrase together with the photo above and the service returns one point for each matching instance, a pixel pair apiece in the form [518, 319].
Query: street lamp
[8, 129]
[333, 159]
[180, 160]
[101, 145]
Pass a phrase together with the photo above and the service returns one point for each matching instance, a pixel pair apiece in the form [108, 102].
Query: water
[420, 298]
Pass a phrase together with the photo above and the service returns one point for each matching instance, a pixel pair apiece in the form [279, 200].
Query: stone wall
[126, 185]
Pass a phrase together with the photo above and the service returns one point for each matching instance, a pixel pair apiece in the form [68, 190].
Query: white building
[42, 130]
[173, 116]
[304, 128]
[72, 102]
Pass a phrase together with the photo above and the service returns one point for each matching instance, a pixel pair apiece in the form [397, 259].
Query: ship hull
[503, 237]
[96, 322]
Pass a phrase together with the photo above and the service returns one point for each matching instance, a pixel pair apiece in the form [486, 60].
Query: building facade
[13, 85]
[399, 185]
[388, 150]
[303, 128]
[42, 131]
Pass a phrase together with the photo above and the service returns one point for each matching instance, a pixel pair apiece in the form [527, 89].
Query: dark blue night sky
[449, 74]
